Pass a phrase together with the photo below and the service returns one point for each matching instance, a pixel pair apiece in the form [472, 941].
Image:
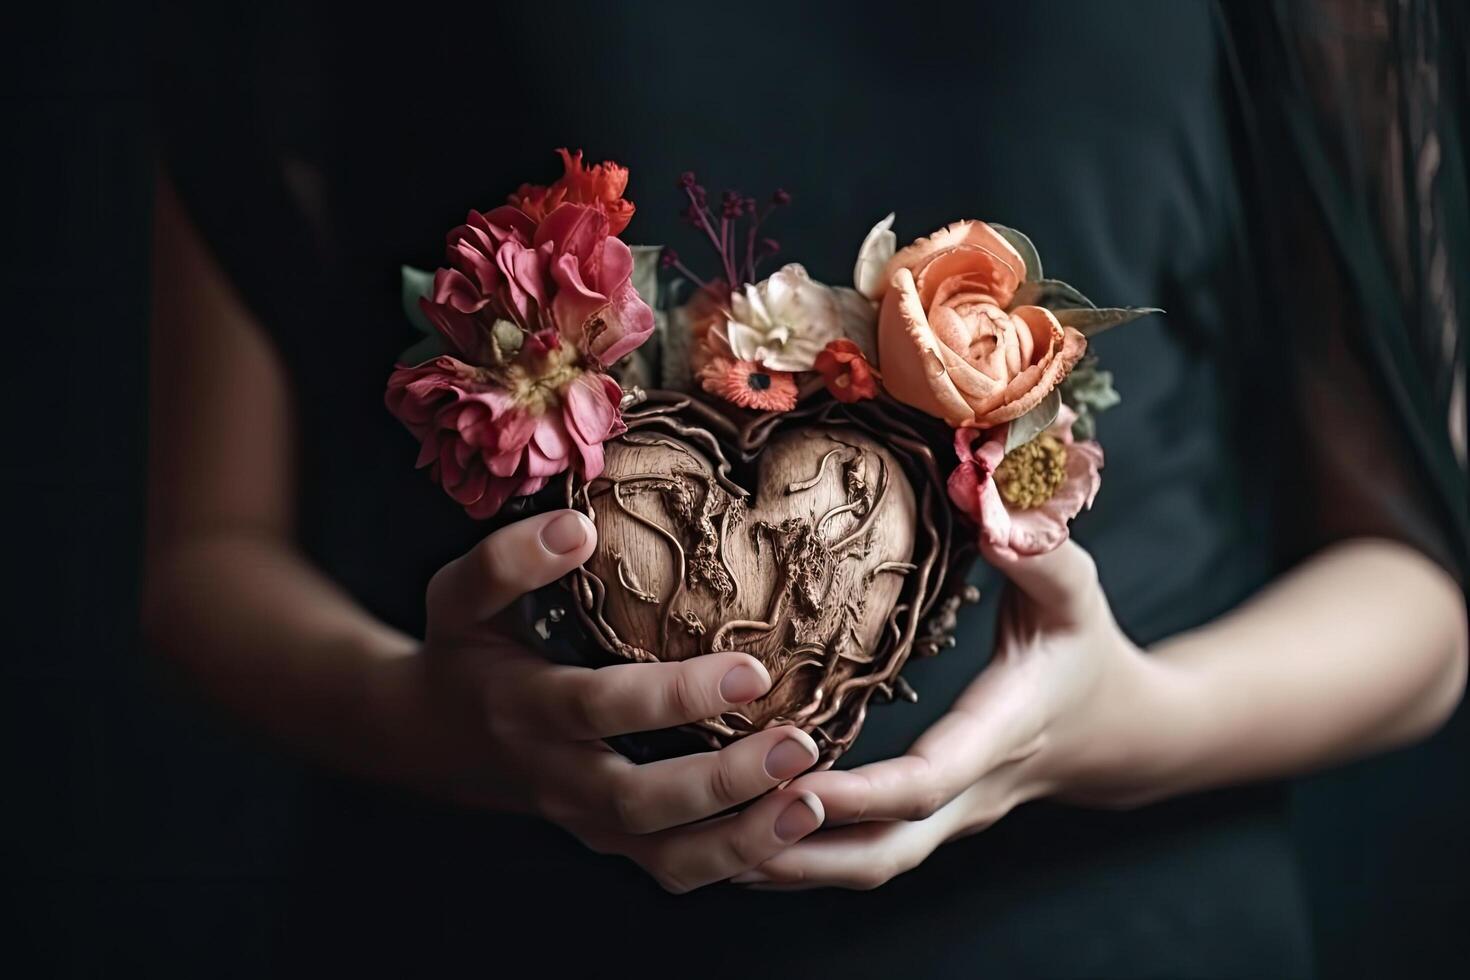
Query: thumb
[1064, 580]
[514, 560]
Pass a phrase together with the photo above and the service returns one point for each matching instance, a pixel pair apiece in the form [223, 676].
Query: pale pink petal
[589, 413]
[629, 324]
[574, 228]
[615, 267]
[507, 463]
[477, 266]
[507, 223]
[575, 301]
[551, 438]
[539, 464]
[497, 492]
[457, 291]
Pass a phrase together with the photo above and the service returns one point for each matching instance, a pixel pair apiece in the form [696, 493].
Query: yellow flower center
[541, 390]
[1030, 474]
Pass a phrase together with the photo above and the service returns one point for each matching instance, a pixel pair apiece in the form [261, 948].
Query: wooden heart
[816, 541]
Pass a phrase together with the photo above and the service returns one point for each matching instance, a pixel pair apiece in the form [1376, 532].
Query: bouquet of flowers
[785, 484]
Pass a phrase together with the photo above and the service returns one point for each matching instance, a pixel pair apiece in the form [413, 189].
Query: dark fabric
[1351, 122]
[317, 155]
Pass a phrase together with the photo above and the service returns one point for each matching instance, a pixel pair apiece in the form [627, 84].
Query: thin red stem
[703, 222]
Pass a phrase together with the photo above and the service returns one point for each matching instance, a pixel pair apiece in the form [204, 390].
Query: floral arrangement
[534, 306]
[961, 325]
[535, 312]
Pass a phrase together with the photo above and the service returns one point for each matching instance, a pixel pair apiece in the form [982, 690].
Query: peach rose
[949, 341]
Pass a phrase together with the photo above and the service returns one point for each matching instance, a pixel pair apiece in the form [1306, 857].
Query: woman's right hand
[534, 730]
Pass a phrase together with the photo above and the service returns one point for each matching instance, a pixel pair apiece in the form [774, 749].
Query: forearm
[1361, 649]
[263, 633]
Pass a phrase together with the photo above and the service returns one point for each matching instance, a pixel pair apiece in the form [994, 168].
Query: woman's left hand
[1068, 707]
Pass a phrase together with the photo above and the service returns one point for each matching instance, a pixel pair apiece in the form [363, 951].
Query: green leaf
[1053, 294]
[417, 283]
[426, 349]
[1090, 389]
[1094, 322]
[1034, 422]
[1022, 244]
[645, 272]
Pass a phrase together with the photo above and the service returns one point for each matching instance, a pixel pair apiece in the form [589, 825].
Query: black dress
[319, 153]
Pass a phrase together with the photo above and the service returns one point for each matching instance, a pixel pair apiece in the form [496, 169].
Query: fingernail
[800, 818]
[749, 877]
[742, 683]
[565, 534]
[790, 756]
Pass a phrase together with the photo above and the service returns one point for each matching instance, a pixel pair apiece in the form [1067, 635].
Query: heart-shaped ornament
[818, 541]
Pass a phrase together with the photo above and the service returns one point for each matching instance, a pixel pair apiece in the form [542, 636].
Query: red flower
[848, 374]
[600, 186]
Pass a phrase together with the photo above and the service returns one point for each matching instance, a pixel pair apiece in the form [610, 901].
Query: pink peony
[532, 314]
[493, 274]
[485, 444]
[596, 306]
[1024, 501]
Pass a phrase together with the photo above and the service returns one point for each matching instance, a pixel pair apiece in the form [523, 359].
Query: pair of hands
[1054, 713]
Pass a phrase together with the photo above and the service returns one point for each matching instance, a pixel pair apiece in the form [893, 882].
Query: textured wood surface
[803, 573]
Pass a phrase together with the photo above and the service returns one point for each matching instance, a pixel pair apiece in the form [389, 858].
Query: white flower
[784, 322]
[859, 320]
[872, 260]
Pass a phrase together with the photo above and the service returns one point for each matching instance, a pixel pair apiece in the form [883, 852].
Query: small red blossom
[848, 374]
[600, 186]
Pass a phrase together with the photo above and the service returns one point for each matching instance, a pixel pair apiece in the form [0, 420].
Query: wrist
[1141, 744]
[428, 727]
[1168, 734]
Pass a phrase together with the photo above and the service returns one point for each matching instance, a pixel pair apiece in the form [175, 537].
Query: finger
[671, 792]
[960, 749]
[507, 564]
[861, 857]
[696, 855]
[578, 703]
[1064, 580]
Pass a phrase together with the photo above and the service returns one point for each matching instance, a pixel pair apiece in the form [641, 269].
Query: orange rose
[949, 341]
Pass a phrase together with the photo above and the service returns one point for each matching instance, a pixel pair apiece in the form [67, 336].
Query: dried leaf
[416, 284]
[1053, 294]
[1094, 322]
[1034, 422]
[645, 272]
[1023, 245]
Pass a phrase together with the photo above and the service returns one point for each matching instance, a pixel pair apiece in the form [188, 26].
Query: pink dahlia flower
[596, 307]
[1023, 501]
[485, 443]
[532, 315]
[493, 274]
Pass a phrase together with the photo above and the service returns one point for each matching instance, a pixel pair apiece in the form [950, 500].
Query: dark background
[146, 835]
